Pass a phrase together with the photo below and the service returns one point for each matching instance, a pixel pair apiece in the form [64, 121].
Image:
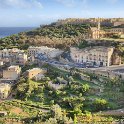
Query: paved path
[114, 67]
[118, 112]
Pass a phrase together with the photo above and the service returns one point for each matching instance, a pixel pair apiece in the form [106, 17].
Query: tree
[51, 121]
[52, 102]
[85, 87]
[57, 112]
[100, 104]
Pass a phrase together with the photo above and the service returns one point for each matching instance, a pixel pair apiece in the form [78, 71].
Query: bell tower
[99, 25]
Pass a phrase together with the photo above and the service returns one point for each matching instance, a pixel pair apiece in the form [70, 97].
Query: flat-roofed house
[12, 72]
[35, 73]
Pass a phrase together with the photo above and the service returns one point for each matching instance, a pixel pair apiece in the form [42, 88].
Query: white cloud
[20, 4]
[72, 3]
[68, 3]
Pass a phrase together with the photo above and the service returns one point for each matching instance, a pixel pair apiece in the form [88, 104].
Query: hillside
[62, 36]
[64, 97]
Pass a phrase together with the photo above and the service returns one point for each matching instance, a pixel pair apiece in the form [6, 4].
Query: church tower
[99, 25]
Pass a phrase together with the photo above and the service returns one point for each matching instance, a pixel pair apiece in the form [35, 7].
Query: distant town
[89, 71]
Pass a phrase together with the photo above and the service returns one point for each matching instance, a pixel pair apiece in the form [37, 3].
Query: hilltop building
[118, 23]
[117, 30]
[92, 21]
[96, 32]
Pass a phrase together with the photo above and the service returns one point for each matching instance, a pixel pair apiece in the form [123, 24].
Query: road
[119, 112]
[116, 68]
[110, 68]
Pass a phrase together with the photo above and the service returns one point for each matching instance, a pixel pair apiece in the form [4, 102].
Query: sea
[7, 31]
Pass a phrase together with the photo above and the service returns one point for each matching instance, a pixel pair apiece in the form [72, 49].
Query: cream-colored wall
[9, 52]
[110, 56]
[34, 72]
[49, 52]
[4, 90]
[117, 30]
[22, 58]
[13, 72]
[92, 55]
[13, 55]
[10, 75]
[1, 63]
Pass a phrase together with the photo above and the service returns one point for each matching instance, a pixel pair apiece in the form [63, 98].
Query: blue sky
[30, 13]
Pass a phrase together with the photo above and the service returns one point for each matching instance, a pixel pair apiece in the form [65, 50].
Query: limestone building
[117, 30]
[5, 53]
[96, 32]
[117, 23]
[44, 50]
[14, 56]
[21, 59]
[1, 63]
[100, 56]
[4, 90]
[35, 73]
[12, 72]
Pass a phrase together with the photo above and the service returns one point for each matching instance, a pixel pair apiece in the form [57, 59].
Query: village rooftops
[3, 113]
[41, 48]
[3, 86]
[34, 69]
[12, 50]
[119, 26]
[13, 67]
[7, 81]
[94, 28]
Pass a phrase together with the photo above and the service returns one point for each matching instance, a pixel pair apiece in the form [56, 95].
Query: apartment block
[44, 50]
[14, 56]
[100, 55]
